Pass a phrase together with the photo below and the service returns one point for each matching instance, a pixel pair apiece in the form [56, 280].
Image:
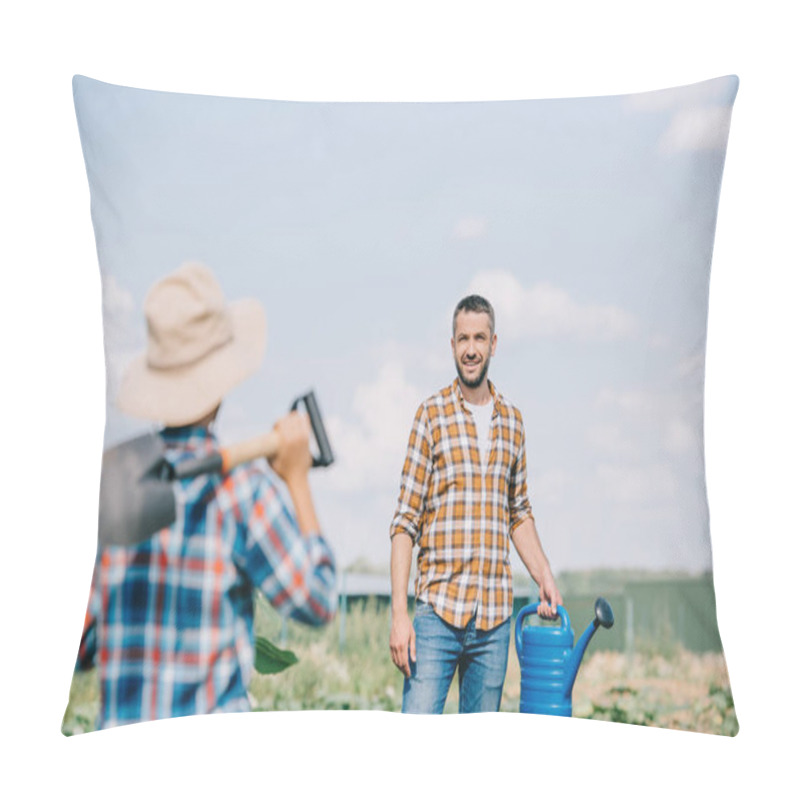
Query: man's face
[473, 347]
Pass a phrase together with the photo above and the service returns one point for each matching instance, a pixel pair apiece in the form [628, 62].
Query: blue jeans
[481, 658]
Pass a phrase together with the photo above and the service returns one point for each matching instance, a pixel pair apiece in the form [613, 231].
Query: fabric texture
[175, 614]
[459, 515]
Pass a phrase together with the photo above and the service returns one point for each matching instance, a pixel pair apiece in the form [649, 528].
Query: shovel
[136, 494]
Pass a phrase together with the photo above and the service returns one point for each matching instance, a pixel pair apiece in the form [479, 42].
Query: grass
[682, 691]
[662, 686]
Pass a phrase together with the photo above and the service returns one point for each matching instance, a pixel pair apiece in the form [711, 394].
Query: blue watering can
[548, 661]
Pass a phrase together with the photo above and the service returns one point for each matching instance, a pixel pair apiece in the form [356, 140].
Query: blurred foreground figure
[170, 620]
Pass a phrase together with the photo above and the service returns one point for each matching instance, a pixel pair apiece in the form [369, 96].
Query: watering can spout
[603, 616]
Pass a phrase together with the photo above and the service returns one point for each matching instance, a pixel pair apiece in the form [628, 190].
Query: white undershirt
[482, 416]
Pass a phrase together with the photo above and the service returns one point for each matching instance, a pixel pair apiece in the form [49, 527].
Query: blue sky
[588, 224]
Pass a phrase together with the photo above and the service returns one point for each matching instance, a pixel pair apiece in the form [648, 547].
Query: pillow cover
[354, 229]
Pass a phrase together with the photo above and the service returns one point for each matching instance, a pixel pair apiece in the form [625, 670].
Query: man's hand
[526, 539]
[402, 640]
[293, 459]
[549, 597]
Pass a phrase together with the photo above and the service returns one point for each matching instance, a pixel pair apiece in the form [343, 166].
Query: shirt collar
[496, 398]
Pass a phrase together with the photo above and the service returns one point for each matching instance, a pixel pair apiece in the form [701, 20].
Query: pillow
[350, 231]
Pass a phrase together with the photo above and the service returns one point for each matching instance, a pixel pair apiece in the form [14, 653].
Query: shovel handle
[267, 445]
[264, 446]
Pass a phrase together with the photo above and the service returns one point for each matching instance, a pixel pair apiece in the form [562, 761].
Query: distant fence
[647, 614]
[650, 614]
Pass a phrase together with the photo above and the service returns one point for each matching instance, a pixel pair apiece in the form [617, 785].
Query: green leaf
[270, 659]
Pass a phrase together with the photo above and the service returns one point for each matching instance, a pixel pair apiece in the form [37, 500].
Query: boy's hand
[293, 459]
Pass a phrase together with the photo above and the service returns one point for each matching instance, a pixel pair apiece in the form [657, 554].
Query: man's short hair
[478, 305]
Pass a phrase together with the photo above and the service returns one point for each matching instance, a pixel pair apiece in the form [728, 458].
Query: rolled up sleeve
[296, 572]
[414, 479]
[518, 503]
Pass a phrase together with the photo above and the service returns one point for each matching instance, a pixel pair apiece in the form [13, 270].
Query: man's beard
[475, 382]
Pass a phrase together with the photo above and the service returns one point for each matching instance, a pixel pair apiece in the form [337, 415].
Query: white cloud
[470, 228]
[697, 94]
[370, 450]
[632, 485]
[667, 419]
[696, 129]
[545, 311]
[123, 330]
[698, 115]
[637, 401]
[358, 494]
[406, 356]
[693, 365]
[659, 341]
[680, 437]
[612, 440]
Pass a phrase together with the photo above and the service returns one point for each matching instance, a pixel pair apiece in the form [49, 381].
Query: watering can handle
[532, 609]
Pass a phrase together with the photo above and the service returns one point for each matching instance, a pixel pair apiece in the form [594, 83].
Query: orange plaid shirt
[460, 516]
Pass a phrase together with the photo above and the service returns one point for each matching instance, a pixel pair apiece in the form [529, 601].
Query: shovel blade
[135, 502]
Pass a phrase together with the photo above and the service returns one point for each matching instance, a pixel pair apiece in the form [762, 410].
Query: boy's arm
[284, 553]
[292, 463]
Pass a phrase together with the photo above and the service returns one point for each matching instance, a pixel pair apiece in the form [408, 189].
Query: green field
[660, 685]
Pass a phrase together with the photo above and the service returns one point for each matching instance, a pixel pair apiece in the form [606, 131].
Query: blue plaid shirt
[172, 617]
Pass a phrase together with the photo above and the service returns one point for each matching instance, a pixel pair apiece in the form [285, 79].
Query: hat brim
[176, 397]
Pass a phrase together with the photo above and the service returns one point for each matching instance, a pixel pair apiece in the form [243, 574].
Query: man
[174, 614]
[463, 494]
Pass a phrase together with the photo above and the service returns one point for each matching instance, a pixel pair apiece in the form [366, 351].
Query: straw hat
[198, 348]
